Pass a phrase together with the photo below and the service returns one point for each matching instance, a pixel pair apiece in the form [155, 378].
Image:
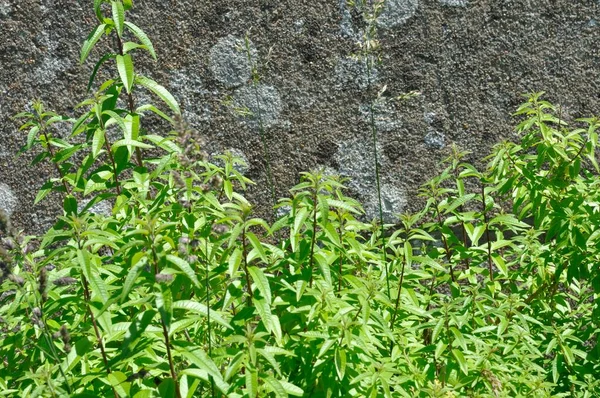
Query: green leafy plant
[491, 290]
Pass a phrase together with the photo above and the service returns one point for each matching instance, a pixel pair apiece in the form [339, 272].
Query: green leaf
[202, 309]
[127, 47]
[261, 282]
[118, 14]
[98, 10]
[70, 205]
[167, 388]
[440, 348]
[102, 60]
[500, 263]
[292, 389]
[276, 387]
[264, 311]
[257, 245]
[461, 361]
[163, 142]
[125, 67]
[31, 136]
[130, 143]
[199, 358]
[92, 274]
[115, 118]
[164, 303]
[141, 36]
[89, 43]
[116, 380]
[160, 91]
[97, 142]
[152, 108]
[138, 261]
[340, 362]
[133, 126]
[342, 205]
[127, 4]
[252, 383]
[44, 190]
[185, 267]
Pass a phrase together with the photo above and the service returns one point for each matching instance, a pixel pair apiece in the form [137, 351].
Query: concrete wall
[471, 59]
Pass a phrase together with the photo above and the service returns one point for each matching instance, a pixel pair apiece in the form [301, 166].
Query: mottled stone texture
[470, 59]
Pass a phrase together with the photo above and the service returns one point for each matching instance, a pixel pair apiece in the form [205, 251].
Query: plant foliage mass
[491, 290]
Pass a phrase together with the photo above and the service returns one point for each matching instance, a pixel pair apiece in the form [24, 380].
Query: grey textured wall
[471, 59]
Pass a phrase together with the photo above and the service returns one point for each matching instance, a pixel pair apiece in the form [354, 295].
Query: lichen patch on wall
[229, 61]
[8, 200]
[263, 103]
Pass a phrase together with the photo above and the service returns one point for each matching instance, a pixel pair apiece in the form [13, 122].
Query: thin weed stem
[207, 285]
[259, 119]
[369, 46]
[487, 234]
[314, 232]
[131, 106]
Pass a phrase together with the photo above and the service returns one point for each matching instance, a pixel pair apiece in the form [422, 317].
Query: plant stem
[259, 119]
[398, 296]
[314, 233]
[110, 155]
[60, 173]
[207, 283]
[131, 105]
[86, 292]
[487, 234]
[377, 174]
[444, 241]
[170, 358]
[164, 326]
[340, 234]
[244, 257]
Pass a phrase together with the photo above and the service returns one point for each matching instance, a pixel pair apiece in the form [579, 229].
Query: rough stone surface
[384, 115]
[8, 200]
[100, 208]
[454, 3]
[397, 12]
[260, 105]
[230, 62]
[471, 60]
[435, 139]
[393, 202]
[354, 73]
[354, 160]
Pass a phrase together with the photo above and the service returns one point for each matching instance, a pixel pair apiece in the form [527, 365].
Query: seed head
[182, 249]
[139, 375]
[184, 240]
[29, 247]
[4, 222]
[216, 182]
[65, 281]
[43, 284]
[64, 334]
[186, 204]
[16, 279]
[178, 180]
[163, 278]
[8, 243]
[220, 229]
